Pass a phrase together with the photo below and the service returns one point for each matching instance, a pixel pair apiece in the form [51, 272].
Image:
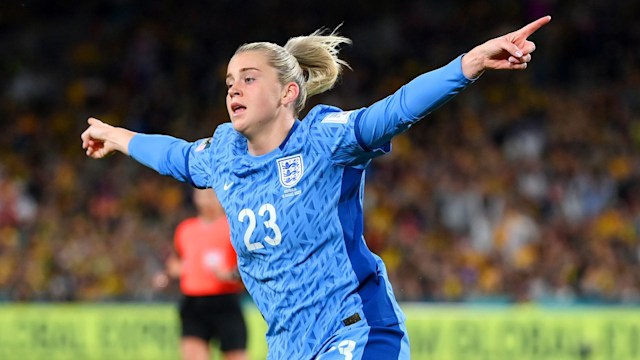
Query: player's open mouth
[237, 108]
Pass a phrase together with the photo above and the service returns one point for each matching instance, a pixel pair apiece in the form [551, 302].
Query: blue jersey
[296, 213]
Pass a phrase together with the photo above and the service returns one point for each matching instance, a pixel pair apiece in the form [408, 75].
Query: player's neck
[270, 137]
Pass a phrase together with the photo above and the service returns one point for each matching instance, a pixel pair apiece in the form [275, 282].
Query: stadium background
[518, 198]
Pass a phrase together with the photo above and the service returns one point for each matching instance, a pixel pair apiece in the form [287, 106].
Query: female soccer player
[292, 190]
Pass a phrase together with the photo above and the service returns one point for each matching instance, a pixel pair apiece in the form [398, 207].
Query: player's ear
[290, 93]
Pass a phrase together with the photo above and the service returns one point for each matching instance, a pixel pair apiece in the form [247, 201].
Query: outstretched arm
[165, 154]
[390, 116]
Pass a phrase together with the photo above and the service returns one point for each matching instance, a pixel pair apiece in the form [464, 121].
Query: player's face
[254, 92]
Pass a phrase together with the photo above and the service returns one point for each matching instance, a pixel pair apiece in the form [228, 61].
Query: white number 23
[266, 211]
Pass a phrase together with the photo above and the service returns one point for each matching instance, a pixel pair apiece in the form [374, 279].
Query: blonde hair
[310, 61]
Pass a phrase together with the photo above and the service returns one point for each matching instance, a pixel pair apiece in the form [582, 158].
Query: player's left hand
[511, 51]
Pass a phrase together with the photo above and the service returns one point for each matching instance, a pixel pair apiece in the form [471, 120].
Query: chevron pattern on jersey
[295, 249]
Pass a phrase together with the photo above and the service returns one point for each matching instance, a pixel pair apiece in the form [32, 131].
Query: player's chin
[239, 124]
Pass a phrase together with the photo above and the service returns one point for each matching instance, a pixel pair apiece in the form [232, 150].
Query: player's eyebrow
[242, 70]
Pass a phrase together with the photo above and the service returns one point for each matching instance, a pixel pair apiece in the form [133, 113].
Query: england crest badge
[290, 169]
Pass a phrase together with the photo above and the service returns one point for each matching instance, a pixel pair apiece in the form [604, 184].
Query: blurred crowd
[523, 188]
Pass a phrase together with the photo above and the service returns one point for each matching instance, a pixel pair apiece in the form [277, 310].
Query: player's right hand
[94, 139]
[101, 139]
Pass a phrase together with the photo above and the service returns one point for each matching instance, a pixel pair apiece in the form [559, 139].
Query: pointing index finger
[532, 27]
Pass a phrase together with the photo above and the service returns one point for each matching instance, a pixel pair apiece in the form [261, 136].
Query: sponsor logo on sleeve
[337, 118]
[204, 145]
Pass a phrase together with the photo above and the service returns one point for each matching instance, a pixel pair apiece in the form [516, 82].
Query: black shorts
[214, 317]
